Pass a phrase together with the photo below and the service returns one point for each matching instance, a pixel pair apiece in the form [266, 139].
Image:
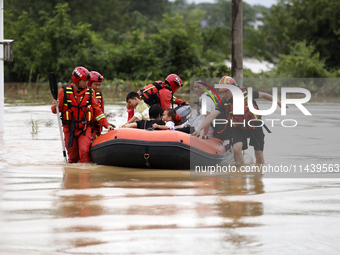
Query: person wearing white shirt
[199, 89]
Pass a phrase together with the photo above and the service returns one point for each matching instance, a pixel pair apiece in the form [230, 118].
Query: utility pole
[2, 90]
[237, 42]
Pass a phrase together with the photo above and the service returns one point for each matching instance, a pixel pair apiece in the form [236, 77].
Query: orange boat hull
[137, 148]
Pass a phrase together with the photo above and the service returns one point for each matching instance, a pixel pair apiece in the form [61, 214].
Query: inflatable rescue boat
[157, 149]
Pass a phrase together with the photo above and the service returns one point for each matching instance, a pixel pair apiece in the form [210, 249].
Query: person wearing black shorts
[256, 136]
[240, 133]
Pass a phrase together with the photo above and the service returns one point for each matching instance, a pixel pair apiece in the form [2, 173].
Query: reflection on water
[89, 209]
[151, 201]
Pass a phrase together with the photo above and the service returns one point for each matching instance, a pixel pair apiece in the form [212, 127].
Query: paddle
[54, 90]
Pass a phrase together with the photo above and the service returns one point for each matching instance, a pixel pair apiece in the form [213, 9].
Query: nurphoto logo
[239, 109]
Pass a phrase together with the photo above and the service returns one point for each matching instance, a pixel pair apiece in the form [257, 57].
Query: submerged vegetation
[35, 126]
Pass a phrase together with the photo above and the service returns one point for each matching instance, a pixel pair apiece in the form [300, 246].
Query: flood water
[49, 208]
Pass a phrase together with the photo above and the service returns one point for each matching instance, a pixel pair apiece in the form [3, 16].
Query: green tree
[175, 48]
[149, 50]
[216, 43]
[302, 62]
[101, 14]
[30, 7]
[153, 9]
[56, 46]
[220, 14]
[315, 21]
[26, 52]
[257, 44]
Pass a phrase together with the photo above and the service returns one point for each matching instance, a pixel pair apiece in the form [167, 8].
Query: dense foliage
[148, 39]
[316, 22]
[302, 62]
[150, 49]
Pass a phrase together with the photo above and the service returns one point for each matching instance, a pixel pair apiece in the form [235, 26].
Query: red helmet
[174, 82]
[80, 73]
[95, 76]
[227, 80]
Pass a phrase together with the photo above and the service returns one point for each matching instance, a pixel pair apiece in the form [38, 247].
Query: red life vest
[81, 113]
[100, 99]
[150, 93]
[248, 115]
[224, 132]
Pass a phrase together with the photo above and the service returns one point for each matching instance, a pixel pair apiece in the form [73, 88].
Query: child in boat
[133, 101]
[155, 113]
[171, 120]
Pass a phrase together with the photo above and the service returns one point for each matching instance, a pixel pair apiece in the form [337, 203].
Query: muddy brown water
[49, 208]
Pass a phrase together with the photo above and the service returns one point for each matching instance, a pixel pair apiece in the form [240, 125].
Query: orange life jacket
[150, 93]
[100, 99]
[79, 113]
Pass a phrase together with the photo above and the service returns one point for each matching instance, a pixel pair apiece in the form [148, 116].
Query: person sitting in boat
[130, 111]
[94, 83]
[161, 93]
[171, 120]
[155, 112]
[141, 108]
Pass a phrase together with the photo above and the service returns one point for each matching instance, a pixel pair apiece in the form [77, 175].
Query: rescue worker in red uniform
[161, 93]
[78, 107]
[239, 133]
[94, 83]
